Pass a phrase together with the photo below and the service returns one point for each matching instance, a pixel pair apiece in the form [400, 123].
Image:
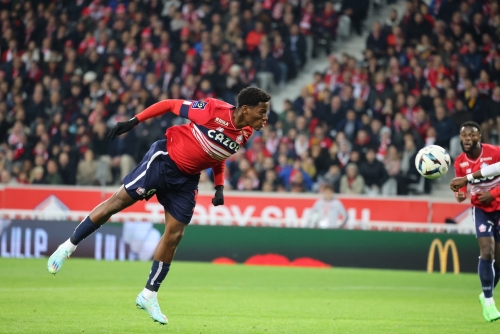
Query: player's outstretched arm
[196, 111]
[178, 107]
[160, 108]
[122, 127]
[488, 171]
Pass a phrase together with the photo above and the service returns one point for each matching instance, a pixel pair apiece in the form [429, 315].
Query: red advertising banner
[241, 208]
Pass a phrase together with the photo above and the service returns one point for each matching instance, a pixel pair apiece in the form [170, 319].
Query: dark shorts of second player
[158, 174]
[486, 223]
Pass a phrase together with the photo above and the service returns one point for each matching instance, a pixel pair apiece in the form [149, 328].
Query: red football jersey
[207, 141]
[489, 155]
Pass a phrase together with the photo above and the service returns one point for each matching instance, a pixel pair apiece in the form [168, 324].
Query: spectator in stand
[377, 41]
[373, 172]
[123, 152]
[493, 112]
[472, 59]
[392, 161]
[297, 45]
[444, 127]
[357, 10]
[6, 178]
[408, 172]
[349, 125]
[328, 25]
[52, 176]
[294, 177]
[66, 169]
[351, 182]
[267, 67]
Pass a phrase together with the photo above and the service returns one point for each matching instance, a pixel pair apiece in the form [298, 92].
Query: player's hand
[122, 127]
[485, 197]
[219, 196]
[457, 183]
[460, 196]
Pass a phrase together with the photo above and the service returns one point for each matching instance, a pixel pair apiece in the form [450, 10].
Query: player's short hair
[471, 124]
[252, 96]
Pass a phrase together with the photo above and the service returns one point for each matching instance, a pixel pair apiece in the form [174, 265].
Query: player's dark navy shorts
[158, 174]
[486, 223]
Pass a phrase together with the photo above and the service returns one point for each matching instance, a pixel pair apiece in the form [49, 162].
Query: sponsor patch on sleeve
[199, 105]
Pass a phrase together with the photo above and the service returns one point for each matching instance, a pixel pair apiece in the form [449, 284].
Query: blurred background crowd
[70, 70]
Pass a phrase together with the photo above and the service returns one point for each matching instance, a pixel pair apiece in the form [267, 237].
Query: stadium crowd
[360, 124]
[70, 72]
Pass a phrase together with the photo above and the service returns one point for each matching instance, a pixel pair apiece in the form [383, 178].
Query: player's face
[257, 116]
[469, 138]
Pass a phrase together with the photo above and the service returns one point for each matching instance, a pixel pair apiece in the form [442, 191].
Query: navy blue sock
[497, 275]
[83, 230]
[159, 271]
[487, 277]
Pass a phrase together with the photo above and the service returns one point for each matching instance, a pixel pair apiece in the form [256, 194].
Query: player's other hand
[219, 196]
[460, 196]
[457, 183]
[485, 197]
[122, 127]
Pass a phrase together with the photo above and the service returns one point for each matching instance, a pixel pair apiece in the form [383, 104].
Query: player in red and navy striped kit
[171, 171]
[485, 198]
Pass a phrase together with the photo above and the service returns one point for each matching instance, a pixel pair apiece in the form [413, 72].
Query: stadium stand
[70, 72]
[423, 73]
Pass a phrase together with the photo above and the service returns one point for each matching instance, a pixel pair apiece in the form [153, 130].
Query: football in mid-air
[432, 162]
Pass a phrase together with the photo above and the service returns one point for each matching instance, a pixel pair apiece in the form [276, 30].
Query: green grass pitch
[99, 297]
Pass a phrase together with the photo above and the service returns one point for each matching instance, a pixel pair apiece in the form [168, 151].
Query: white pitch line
[344, 288]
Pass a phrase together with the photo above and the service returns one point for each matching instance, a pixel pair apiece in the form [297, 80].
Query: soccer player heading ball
[171, 171]
[479, 165]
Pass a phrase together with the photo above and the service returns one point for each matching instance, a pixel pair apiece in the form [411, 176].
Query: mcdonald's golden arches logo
[443, 256]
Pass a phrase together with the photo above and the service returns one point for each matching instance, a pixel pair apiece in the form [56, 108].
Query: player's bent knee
[487, 253]
[174, 237]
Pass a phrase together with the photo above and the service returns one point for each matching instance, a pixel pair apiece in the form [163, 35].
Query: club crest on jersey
[239, 139]
[220, 129]
[199, 105]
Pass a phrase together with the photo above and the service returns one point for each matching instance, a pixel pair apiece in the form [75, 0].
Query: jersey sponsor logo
[468, 171]
[209, 145]
[482, 228]
[199, 105]
[484, 179]
[486, 159]
[464, 164]
[223, 139]
[221, 121]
